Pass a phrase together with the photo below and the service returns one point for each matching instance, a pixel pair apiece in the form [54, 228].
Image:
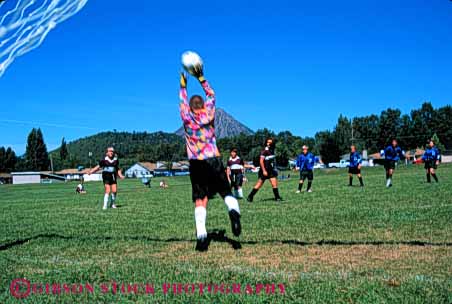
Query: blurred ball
[191, 61]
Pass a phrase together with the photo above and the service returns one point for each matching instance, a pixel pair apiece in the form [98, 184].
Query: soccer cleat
[113, 206]
[236, 227]
[104, 207]
[249, 199]
[202, 244]
[279, 199]
[298, 191]
[310, 190]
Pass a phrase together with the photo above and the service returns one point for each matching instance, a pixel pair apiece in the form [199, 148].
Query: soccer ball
[191, 61]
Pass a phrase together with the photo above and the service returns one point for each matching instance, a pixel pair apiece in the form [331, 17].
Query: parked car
[342, 164]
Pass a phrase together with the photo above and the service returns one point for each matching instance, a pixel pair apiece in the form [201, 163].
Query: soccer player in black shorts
[431, 160]
[355, 166]
[207, 172]
[392, 153]
[110, 174]
[267, 170]
[235, 170]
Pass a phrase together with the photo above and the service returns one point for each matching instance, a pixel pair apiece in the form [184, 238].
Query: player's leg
[389, 174]
[256, 188]
[239, 186]
[360, 177]
[113, 195]
[106, 195]
[310, 179]
[274, 182]
[433, 173]
[200, 222]
[350, 179]
[300, 183]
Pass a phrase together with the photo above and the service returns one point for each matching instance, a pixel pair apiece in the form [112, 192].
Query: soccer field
[337, 244]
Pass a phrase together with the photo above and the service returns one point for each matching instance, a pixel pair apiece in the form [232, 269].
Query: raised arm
[210, 98]
[184, 107]
[93, 170]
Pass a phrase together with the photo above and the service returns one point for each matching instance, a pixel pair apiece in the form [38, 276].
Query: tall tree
[389, 126]
[36, 155]
[343, 134]
[327, 146]
[63, 150]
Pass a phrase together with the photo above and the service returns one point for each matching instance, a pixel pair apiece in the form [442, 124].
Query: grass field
[335, 245]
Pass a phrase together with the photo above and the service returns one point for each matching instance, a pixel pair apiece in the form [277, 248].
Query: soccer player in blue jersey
[355, 166]
[431, 160]
[305, 163]
[393, 153]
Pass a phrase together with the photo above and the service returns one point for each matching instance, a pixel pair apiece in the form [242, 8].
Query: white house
[44, 177]
[141, 169]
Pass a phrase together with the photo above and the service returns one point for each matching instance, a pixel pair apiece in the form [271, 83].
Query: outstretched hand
[183, 80]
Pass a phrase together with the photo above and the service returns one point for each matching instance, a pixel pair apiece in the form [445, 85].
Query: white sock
[388, 182]
[232, 203]
[113, 198]
[200, 220]
[240, 191]
[106, 200]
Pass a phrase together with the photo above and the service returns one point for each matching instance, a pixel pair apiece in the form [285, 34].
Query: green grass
[335, 245]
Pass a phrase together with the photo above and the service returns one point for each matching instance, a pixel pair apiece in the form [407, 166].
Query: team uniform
[354, 167]
[392, 156]
[236, 166]
[269, 158]
[110, 168]
[269, 163]
[305, 163]
[207, 172]
[431, 157]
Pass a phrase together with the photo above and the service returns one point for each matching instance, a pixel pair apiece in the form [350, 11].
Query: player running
[235, 171]
[431, 160]
[355, 166]
[393, 153]
[305, 163]
[207, 172]
[267, 170]
[110, 174]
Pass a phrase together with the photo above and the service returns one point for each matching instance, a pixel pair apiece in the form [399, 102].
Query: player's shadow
[220, 236]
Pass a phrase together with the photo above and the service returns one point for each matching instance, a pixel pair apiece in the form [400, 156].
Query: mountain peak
[225, 125]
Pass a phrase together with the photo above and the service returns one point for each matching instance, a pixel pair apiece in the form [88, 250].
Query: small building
[5, 178]
[141, 169]
[42, 177]
[94, 177]
[177, 168]
[71, 174]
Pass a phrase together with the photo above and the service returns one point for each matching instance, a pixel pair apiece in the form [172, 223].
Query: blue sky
[284, 65]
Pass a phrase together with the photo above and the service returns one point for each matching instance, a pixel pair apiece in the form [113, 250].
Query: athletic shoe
[236, 227]
[279, 199]
[249, 199]
[104, 207]
[298, 191]
[113, 206]
[310, 190]
[202, 244]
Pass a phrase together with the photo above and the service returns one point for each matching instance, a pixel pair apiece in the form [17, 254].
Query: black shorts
[236, 180]
[390, 164]
[354, 170]
[208, 177]
[109, 178]
[309, 174]
[271, 173]
[430, 164]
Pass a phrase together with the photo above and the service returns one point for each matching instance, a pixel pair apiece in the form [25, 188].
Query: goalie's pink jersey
[199, 128]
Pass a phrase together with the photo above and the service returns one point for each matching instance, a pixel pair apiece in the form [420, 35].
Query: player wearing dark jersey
[431, 160]
[355, 166]
[267, 170]
[393, 153]
[235, 170]
[207, 173]
[110, 174]
[305, 163]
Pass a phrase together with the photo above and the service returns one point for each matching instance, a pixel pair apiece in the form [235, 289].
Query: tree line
[370, 132]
